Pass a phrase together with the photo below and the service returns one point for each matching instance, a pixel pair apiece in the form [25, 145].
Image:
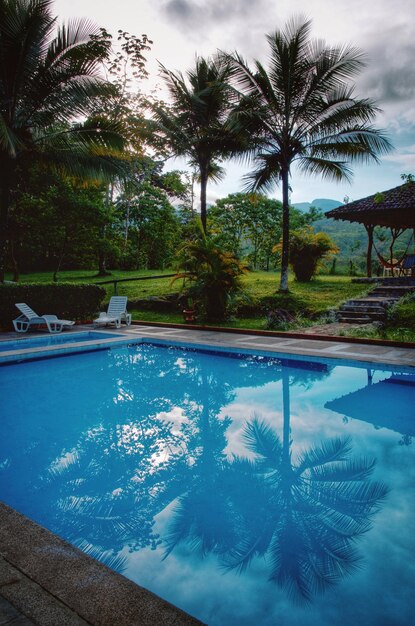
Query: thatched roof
[393, 208]
[386, 404]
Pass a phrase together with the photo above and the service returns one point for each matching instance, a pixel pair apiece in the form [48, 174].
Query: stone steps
[392, 291]
[374, 306]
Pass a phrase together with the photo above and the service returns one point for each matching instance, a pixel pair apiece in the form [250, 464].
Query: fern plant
[212, 275]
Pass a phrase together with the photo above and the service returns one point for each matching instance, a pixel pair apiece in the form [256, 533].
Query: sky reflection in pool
[246, 491]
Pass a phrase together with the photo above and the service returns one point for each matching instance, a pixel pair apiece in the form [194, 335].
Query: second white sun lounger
[115, 314]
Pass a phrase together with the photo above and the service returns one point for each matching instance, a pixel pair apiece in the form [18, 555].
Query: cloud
[200, 12]
[224, 24]
[390, 75]
[405, 158]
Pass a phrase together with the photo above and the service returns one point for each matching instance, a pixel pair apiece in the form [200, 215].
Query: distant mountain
[324, 204]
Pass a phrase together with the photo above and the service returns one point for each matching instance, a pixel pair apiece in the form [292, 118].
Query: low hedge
[69, 301]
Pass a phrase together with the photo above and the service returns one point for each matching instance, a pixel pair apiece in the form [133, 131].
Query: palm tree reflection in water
[303, 517]
[101, 487]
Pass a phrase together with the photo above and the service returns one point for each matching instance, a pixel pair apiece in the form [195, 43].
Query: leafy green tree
[248, 224]
[56, 222]
[252, 221]
[196, 123]
[305, 112]
[147, 224]
[47, 84]
[149, 227]
[125, 68]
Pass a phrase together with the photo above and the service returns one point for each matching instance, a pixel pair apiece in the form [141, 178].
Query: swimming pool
[244, 489]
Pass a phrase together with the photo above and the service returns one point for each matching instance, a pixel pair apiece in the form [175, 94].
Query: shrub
[307, 250]
[213, 273]
[66, 300]
[278, 319]
[402, 314]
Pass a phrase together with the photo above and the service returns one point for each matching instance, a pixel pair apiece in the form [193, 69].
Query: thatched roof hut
[394, 209]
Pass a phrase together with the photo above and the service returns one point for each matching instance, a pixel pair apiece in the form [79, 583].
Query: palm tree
[47, 83]
[305, 112]
[196, 124]
[305, 517]
[302, 517]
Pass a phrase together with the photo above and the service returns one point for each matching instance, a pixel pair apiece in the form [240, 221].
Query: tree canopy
[49, 80]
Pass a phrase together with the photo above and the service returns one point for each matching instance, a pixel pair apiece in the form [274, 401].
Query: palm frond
[240, 556]
[111, 559]
[267, 173]
[335, 170]
[350, 470]
[329, 451]
[259, 437]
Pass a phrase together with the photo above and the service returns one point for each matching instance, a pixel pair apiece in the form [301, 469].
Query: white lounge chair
[29, 318]
[115, 314]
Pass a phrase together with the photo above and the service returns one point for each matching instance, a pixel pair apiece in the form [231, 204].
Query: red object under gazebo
[394, 209]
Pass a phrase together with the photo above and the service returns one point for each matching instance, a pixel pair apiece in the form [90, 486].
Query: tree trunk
[102, 255]
[203, 185]
[61, 257]
[286, 439]
[102, 258]
[16, 273]
[285, 232]
[5, 203]
[369, 230]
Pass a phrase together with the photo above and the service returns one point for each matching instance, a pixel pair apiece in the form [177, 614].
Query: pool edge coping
[67, 578]
[279, 334]
[295, 344]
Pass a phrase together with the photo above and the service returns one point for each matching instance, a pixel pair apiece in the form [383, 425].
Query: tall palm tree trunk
[203, 206]
[285, 231]
[286, 410]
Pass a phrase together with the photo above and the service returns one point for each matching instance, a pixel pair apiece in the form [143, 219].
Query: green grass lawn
[134, 290]
[318, 295]
[323, 293]
[306, 300]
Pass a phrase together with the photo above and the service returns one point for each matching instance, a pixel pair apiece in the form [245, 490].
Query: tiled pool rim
[32, 554]
[296, 344]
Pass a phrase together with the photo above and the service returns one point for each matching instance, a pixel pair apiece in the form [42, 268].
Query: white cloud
[381, 29]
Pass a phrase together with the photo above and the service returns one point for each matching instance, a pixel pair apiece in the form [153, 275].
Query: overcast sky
[382, 29]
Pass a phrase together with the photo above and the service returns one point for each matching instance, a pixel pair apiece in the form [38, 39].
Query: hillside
[351, 238]
[325, 204]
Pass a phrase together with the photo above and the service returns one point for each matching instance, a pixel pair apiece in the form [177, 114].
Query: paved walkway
[301, 344]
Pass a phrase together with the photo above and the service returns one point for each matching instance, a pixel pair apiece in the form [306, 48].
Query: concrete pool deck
[48, 582]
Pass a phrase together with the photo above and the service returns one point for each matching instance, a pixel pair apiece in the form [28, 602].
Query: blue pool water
[53, 340]
[247, 491]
